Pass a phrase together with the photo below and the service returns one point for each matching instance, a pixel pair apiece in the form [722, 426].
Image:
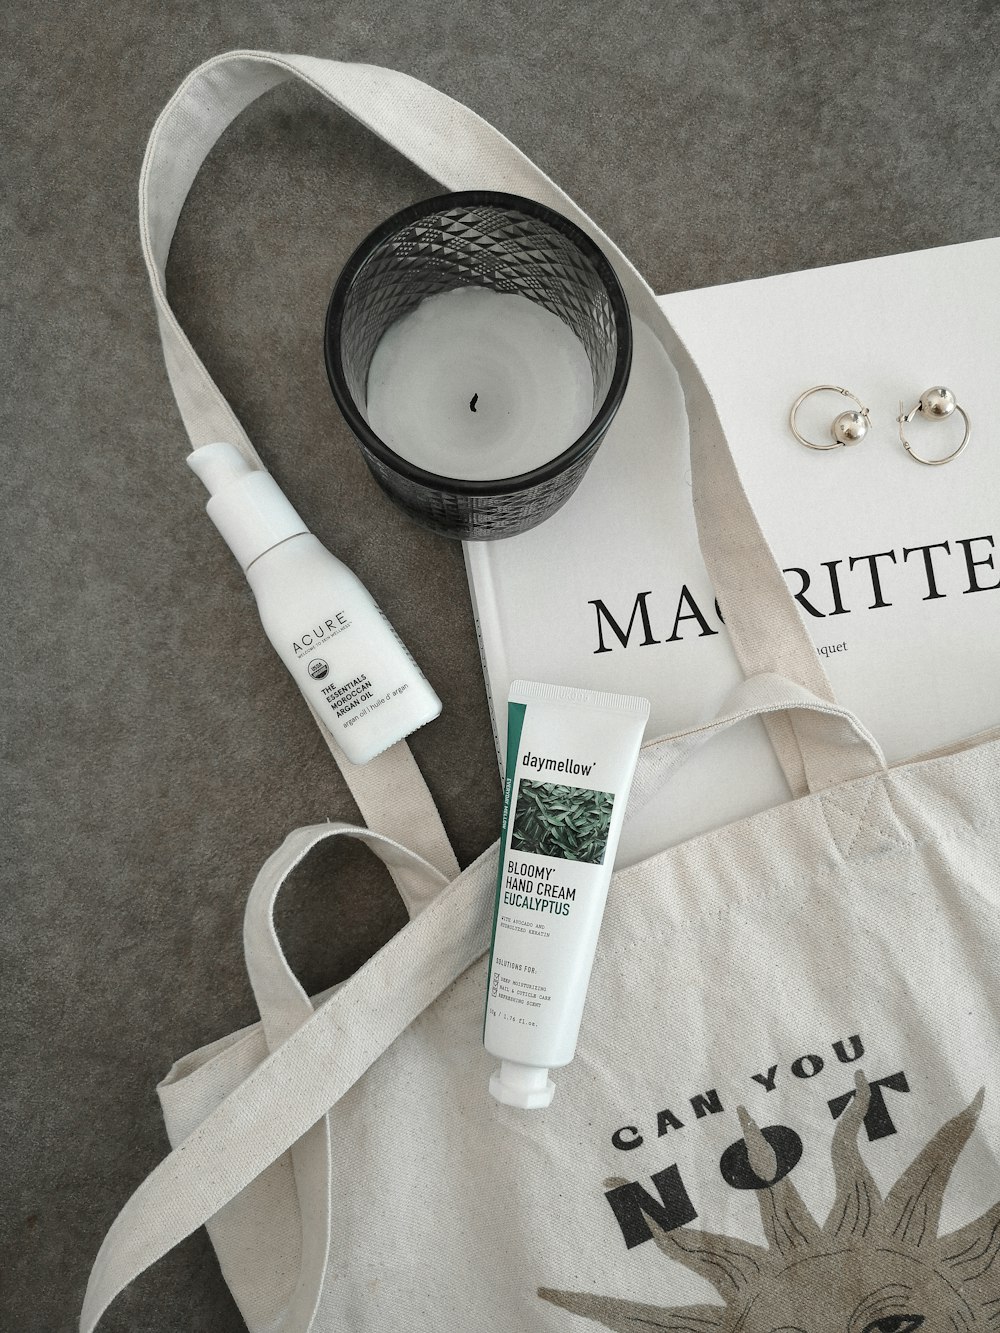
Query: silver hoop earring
[848, 427]
[935, 404]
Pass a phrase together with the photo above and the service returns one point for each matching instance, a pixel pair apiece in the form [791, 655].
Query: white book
[900, 563]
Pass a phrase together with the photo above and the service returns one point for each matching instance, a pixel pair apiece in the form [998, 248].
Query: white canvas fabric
[784, 1113]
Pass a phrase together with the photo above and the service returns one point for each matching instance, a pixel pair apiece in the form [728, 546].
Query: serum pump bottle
[345, 657]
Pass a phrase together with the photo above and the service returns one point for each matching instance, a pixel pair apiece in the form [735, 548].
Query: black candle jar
[506, 244]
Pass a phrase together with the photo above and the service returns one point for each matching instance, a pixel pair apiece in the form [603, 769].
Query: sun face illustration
[875, 1265]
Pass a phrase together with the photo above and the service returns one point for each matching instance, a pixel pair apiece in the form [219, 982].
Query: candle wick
[475, 399]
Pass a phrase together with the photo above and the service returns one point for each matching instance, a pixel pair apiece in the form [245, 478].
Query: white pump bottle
[326, 627]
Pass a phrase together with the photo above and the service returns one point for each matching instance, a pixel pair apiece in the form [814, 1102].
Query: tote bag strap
[394, 798]
[284, 1006]
[316, 1056]
[462, 151]
[390, 791]
[289, 1093]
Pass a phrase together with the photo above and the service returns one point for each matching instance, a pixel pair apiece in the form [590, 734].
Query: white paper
[920, 672]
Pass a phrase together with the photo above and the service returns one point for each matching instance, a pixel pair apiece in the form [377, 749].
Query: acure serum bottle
[348, 661]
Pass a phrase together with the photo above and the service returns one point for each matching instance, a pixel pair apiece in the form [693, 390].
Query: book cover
[895, 565]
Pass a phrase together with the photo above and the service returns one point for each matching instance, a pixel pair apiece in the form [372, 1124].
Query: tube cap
[246, 505]
[526, 1086]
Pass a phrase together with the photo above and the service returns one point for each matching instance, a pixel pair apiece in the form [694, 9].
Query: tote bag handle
[284, 1006]
[462, 151]
[317, 1055]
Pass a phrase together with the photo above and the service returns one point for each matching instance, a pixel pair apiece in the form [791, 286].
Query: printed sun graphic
[875, 1266]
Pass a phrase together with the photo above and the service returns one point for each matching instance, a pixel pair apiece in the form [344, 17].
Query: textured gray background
[156, 750]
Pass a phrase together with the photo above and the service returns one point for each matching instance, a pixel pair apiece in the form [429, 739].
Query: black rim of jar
[602, 418]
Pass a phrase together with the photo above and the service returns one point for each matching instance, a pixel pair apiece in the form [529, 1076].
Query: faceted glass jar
[506, 244]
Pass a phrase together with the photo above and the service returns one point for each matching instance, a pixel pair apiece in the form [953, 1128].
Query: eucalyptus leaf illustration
[568, 822]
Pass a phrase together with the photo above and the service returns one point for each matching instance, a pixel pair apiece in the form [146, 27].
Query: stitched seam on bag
[946, 765]
[958, 832]
[890, 835]
[887, 787]
[876, 830]
[863, 822]
[896, 837]
[826, 805]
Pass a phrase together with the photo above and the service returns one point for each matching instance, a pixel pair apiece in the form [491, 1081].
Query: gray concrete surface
[155, 749]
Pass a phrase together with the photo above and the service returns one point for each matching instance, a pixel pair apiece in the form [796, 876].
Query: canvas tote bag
[784, 1113]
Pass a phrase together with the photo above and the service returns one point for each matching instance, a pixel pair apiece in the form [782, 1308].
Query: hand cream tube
[571, 755]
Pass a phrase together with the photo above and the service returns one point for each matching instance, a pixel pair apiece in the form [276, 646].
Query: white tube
[571, 755]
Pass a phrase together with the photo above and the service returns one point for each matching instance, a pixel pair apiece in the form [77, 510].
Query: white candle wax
[478, 385]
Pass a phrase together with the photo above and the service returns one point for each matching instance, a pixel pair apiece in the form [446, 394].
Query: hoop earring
[848, 427]
[936, 404]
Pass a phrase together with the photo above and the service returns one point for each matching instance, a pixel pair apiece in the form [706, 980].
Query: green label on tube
[515, 721]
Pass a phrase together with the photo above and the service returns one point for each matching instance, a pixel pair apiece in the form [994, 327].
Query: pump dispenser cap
[526, 1086]
[246, 504]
